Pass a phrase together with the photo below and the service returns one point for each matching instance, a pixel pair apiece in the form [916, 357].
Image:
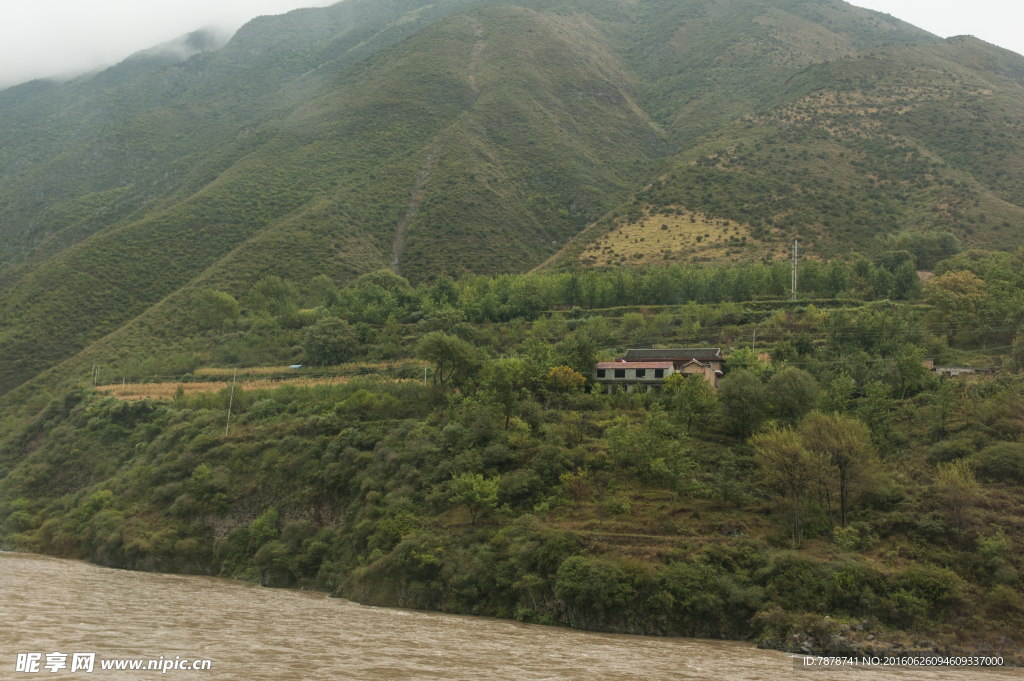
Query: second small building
[648, 368]
[645, 375]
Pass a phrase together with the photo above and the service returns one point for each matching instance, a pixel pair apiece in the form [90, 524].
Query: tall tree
[876, 409]
[444, 291]
[838, 396]
[957, 297]
[693, 399]
[649, 448]
[536, 356]
[578, 352]
[843, 446]
[213, 308]
[322, 291]
[563, 381]
[957, 491]
[908, 370]
[478, 494]
[906, 283]
[452, 357]
[787, 467]
[273, 296]
[329, 341]
[504, 381]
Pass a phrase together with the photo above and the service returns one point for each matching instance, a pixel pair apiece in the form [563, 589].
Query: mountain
[483, 138]
[390, 141]
[853, 151]
[365, 190]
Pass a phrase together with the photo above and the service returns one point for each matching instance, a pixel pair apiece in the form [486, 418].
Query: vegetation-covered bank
[831, 489]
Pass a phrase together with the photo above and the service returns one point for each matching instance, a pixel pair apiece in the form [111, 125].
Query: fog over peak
[184, 46]
[65, 38]
[62, 39]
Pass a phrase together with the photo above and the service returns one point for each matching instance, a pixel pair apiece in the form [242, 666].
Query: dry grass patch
[674, 235]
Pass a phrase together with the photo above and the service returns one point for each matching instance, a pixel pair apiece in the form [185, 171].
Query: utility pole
[231, 399]
[424, 375]
[796, 249]
[753, 343]
[92, 375]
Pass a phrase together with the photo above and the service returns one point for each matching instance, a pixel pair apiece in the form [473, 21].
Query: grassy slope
[552, 140]
[898, 138]
[285, 166]
[709, 62]
[332, 179]
[159, 139]
[139, 128]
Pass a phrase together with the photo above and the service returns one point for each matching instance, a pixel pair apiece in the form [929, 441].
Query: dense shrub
[1003, 461]
[743, 401]
[329, 341]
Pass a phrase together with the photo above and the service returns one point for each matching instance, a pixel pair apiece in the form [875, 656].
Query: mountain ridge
[483, 138]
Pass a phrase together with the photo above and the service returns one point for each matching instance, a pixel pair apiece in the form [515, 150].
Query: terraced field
[258, 378]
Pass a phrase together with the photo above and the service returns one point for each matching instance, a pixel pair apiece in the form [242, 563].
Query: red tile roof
[634, 365]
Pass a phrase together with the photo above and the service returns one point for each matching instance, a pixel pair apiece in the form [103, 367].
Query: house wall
[630, 381]
[707, 372]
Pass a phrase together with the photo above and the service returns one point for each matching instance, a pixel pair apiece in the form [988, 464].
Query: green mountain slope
[296, 196]
[899, 139]
[78, 156]
[436, 120]
[552, 138]
[482, 138]
[708, 63]
[504, 489]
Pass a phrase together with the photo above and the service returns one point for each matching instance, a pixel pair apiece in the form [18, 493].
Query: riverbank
[785, 497]
[263, 634]
[367, 509]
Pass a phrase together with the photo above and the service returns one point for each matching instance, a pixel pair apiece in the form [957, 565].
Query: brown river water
[247, 632]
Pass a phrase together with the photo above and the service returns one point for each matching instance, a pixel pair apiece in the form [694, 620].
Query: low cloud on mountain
[63, 39]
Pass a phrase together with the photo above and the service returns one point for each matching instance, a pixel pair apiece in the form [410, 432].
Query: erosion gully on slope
[416, 195]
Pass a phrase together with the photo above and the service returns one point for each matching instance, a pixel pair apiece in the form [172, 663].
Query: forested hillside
[447, 139]
[447, 213]
[417, 154]
[444, 448]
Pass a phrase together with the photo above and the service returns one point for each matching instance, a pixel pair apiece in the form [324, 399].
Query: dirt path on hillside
[416, 194]
[415, 197]
[475, 55]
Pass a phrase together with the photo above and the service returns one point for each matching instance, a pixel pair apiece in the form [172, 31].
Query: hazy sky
[1000, 22]
[40, 38]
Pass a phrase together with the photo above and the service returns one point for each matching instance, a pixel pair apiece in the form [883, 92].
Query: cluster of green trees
[375, 297]
[973, 297]
[830, 474]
